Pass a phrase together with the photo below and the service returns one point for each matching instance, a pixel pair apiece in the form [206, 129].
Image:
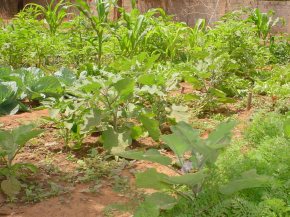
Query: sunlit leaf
[249, 179]
[11, 187]
[151, 179]
[152, 155]
[152, 126]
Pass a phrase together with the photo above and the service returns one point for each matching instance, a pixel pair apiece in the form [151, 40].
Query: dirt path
[23, 118]
[75, 204]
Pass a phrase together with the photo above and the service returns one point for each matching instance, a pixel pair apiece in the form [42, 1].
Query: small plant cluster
[145, 75]
[22, 88]
[259, 178]
[11, 142]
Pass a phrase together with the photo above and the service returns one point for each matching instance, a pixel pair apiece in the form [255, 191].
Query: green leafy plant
[275, 82]
[194, 168]
[249, 179]
[54, 13]
[30, 85]
[11, 142]
[98, 23]
[110, 104]
[264, 22]
[280, 48]
[8, 98]
[133, 34]
[74, 119]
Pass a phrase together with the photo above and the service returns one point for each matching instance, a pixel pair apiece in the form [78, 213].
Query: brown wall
[190, 10]
[184, 10]
[281, 8]
[8, 8]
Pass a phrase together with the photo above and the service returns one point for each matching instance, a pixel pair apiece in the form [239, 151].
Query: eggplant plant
[195, 156]
[75, 118]
[117, 100]
[119, 107]
[11, 142]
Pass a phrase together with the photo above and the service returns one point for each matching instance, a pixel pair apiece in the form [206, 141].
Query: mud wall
[281, 8]
[8, 8]
[190, 10]
[184, 10]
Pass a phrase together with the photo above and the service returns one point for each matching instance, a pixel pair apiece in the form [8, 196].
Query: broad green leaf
[287, 128]
[197, 84]
[151, 125]
[11, 187]
[249, 179]
[8, 98]
[146, 209]
[180, 113]
[11, 108]
[91, 120]
[110, 139]
[221, 96]
[24, 133]
[8, 91]
[146, 79]
[153, 90]
[226, 100]
[176, 144]
[91, 87]
[12, 141]
[161, 200]
[217, 93]
[116, 142]
[65, 76]
[182, 139]
[124, 141]
[28, 166]
[6, 141]
[190, 97]
[125, 87]
[31, 76]
[220, 137]
[46, 87]
[136, 132]
[151, 179]
[152, 155]
[190, 179]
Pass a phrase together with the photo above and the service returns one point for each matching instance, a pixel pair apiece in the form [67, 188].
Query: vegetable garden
[143, 115]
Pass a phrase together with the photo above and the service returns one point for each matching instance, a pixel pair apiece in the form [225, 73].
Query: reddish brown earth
[11, 121]
[73, 204]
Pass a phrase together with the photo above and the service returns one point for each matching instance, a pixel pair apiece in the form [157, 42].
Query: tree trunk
[20, 5]
[8, 8]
